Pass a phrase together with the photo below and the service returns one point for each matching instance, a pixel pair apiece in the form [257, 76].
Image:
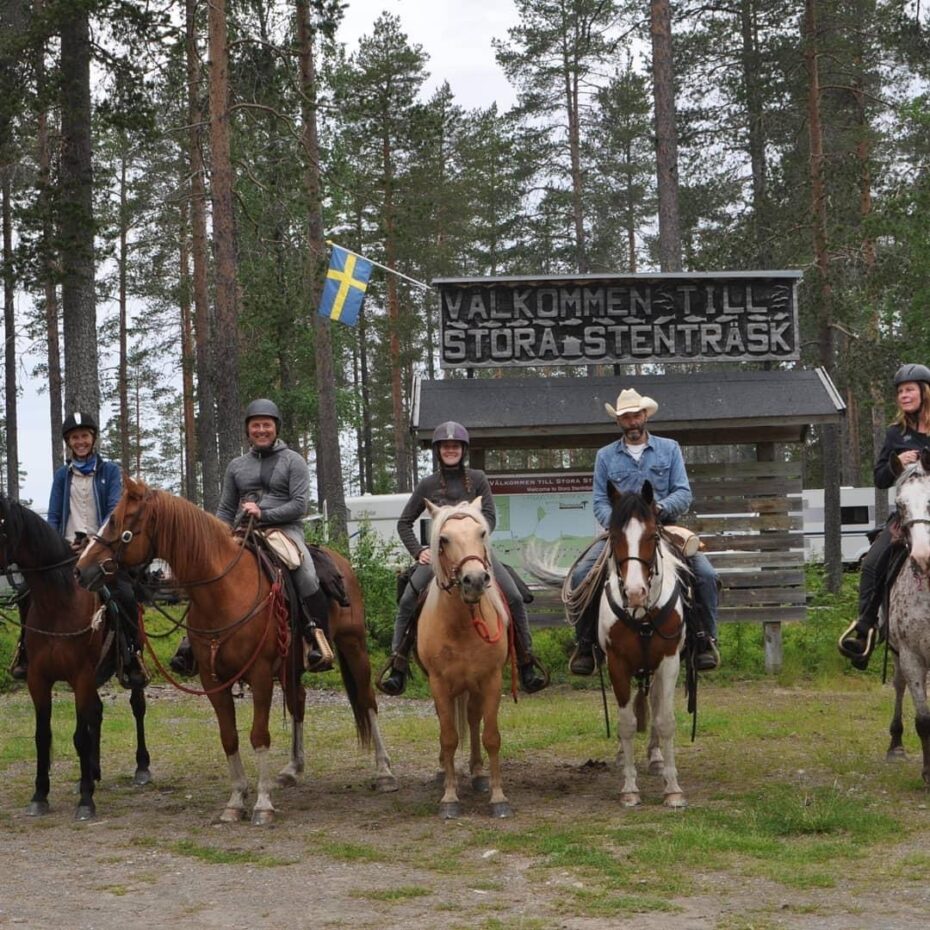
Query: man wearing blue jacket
[638, 456]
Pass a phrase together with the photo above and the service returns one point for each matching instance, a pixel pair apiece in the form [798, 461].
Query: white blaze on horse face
[914, 505]
[633, 571]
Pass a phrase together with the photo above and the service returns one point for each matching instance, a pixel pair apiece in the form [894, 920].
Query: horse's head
[125, 539]
[634, 542]
[29, 542]
[459, 542]
[913, 504]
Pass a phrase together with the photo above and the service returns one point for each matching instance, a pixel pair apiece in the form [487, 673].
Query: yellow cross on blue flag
[344, 289]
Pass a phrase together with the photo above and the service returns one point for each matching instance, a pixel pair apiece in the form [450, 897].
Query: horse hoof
[481, 783]
[37, 809]
[142, 777]
[286, 780]
[629, 799]
[676, 801]
[449, 810]
[501, 809]
[656, 767]
[232, 815]
[262, 818]
[896, 755]
[386, 784]
[85, 812]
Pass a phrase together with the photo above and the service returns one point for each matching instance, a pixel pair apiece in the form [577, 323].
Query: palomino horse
[237, 630]
[462, 643]
[63, 644]
[909, 608]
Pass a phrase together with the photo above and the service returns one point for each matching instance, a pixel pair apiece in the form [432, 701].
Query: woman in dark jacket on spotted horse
[452, 483]
[907, 436]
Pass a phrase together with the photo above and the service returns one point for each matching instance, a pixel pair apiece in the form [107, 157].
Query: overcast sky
[457, 38]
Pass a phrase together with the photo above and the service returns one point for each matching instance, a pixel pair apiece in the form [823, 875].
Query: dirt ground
[146, 861]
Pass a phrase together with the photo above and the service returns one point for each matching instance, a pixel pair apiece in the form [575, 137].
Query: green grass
[217, 856]
[404, 893]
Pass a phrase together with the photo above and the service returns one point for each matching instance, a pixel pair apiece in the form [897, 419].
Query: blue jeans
[705, 580]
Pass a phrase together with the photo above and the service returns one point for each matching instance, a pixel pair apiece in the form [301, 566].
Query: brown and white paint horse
[909, 608]
[641, 630]
[462, 643]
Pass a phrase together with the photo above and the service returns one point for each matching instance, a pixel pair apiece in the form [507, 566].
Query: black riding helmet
[912, 372]
[78, 420]
[262, 407]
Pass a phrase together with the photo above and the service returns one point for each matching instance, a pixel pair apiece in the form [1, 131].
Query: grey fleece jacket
[282, 497]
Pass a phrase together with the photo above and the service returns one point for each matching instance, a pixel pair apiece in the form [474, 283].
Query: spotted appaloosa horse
[641, 630]
[233, 625]
[909, 608]
[462, 643]
[63, 644]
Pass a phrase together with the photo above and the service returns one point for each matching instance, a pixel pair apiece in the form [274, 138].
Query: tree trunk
[206, 406]
[830, 438]
[123, 372]
[663, 88]
[573, 114]
[226, 386]
[328, 458]
[82, 381]
[189, 432]
[9, 357]
[48, 271]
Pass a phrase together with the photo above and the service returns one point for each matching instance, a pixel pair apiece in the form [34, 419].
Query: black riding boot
[20, 664]
[706, 656]
[183, 661]
[125, 611]
[584, 659]
[318, 654]
[858, 639]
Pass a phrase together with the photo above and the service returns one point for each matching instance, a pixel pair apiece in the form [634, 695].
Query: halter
[650, 564]
[455, 573]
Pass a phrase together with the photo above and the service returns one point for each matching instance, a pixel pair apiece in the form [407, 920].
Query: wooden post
[771, 629]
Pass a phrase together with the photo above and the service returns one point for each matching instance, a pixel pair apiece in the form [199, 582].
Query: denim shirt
[661, 463]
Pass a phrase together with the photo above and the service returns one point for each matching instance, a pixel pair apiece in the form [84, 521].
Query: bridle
[110, 565]
[651, 567]
[454, 574]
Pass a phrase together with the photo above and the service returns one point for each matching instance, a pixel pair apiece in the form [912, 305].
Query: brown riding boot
[20, 664]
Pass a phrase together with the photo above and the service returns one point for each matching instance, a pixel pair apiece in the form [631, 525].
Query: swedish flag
[344, 289]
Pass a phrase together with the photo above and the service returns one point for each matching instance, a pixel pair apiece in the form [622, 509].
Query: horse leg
[653, 752]
[449, 806]
[896, 728]
[295, 696]
[88, 714]
[225, 709]
[626, 728]
[479, 781]
[143, 774]
[262, 691]
[41, 693]
[500, 806]
[663, 709]
[384, 777]
[914, 670]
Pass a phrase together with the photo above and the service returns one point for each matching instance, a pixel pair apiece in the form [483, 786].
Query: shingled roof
[702, 408]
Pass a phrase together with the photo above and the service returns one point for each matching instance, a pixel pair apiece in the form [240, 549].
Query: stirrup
[578, 664]
[860, 660]
[321, 646]
[397, 662]
[528, 680]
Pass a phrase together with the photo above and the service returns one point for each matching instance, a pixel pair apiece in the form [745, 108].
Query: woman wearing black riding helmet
[452, 483]
[906, 438]
[84, 492]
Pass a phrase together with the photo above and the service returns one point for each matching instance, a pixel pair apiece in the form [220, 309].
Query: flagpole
[371, 261]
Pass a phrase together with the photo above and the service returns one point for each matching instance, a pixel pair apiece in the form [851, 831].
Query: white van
[857, 516]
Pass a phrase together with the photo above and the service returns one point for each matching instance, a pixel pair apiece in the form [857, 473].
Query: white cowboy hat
[629, 401]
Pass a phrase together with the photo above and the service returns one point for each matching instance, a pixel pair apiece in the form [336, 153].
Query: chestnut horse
[909, 608]
[462, 643]
[63, 643]
[236, 632]
[641, 630]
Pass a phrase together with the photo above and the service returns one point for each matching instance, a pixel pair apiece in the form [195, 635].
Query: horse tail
[461, 719]
[640, 709]
[359, 710]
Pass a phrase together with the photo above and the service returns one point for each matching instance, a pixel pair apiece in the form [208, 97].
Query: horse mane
[48, 547]
[183, 526]
[439, 521]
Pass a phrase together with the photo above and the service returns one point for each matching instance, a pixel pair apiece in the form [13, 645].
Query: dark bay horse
[238, 630]
[641, 630]
[63, 642]
[462, 643]
[909, 608]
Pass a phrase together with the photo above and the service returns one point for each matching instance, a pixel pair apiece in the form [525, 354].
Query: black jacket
[431, 489]
[897, 441]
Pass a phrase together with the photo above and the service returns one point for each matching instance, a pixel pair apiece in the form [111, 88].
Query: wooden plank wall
[752, 533]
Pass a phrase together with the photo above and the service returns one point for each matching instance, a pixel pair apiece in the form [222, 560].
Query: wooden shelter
[747, 512]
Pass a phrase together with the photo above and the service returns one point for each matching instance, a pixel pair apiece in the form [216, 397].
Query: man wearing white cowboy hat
[636, 457]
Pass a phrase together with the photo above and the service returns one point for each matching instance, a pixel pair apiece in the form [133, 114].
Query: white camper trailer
[857, 516]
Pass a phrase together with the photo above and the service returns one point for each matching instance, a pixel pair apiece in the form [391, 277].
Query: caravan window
[852, 515]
